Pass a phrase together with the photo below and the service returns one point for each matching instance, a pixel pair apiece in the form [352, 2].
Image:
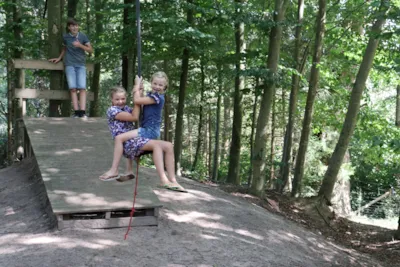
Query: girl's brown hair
[117, 89]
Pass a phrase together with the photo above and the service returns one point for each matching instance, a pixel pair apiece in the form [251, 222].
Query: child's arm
[58, 59]
[86, 47]
[126, 116]
[138, 99]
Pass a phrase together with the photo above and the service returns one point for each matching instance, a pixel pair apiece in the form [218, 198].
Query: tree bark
[72, 4]
[258, 157]
[128, 45]
[312, 91]
[217, 125]
[225, 138]
[181, 101]
[287, 147]
[350, 121]
[94, 107]
[234, 154]
[272, 154]
[398, 106]
[54, 40]
[200, 127]
[253, 126]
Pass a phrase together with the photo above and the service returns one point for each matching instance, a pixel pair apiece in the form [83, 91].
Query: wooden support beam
[46, 94]
[43, 65]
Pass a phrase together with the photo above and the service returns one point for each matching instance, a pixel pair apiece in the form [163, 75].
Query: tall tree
[200, 127]
[234, 154]
[182, 94]
[54, 41]
[94, 107]
[253, 126]
[258, 157]
[287, 146]
[312, 91]
[398, 106]
[353, 108]
[217, 125]
[128, 47]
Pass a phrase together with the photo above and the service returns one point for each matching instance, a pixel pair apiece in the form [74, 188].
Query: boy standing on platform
[75, 44]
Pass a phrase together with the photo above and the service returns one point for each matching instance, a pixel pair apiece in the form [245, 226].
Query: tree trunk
[398, 106]
[312, 91]
[88, 31]
[72, 4]
[189, 137]
[225, 138]
[353, 108]
[94, 107]
[258, 157]
[253, 126]
[167, 111]
[128, 47]
[217, 125]
[181, 101]
[287, 147]
[234, 154]
[54, 35]
[200, 127]
[272, 155]
[209, 150]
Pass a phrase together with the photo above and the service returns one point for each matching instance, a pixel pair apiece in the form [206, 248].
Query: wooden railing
[27, 93]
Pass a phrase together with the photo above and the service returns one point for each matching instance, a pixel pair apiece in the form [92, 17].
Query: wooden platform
[71, 154]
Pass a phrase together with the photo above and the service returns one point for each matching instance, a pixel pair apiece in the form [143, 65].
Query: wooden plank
[43, 65]
[108, 223]
[28, 93]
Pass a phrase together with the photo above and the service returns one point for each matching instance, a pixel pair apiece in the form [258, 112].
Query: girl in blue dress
[120, 118]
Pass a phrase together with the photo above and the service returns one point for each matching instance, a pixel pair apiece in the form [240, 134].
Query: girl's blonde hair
[117, 89]
[161, 74]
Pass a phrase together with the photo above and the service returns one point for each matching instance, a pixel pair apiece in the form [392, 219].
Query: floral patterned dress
[132, 147]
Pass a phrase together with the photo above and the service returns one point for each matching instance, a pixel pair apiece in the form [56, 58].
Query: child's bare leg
[118, 151]
[157, 159]
[129, 166]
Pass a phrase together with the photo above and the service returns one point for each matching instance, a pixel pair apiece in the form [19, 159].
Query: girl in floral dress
[120, 118]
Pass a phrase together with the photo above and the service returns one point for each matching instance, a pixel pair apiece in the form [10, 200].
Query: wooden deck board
[71, 154]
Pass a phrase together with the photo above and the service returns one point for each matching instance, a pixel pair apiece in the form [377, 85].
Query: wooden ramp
[71, 154]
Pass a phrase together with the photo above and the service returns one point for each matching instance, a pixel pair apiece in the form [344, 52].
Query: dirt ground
[205, 227]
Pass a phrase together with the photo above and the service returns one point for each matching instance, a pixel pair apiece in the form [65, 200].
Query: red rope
[134, 198]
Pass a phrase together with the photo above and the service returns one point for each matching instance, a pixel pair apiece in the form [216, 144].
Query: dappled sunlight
[13, 243]
[209, 237]
[10, 250]
[90, 199]
[39, 131]
[68, 152]
[52, 170]
[205, 220]
[191, 216]
[196, 195]
[63, 242]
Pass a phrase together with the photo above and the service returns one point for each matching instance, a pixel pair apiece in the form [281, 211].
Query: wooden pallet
[108, 219]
